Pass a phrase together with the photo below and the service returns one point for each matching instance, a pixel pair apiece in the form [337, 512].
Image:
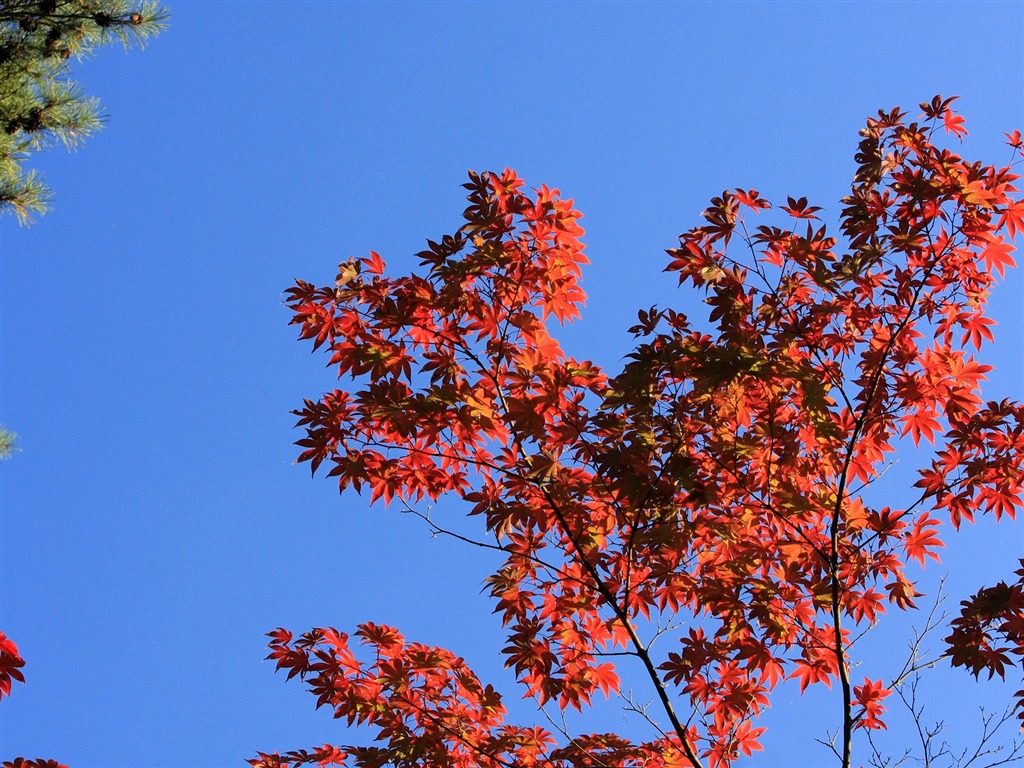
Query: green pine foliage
[8, 443]
[39, 104]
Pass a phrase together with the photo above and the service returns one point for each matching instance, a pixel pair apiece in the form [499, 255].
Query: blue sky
[154, 526]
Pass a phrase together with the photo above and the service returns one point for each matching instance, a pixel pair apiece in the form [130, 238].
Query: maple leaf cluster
[10, 665]
[990, 626]
[722, 477]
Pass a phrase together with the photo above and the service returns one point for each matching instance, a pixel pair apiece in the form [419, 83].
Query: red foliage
[989, 630]
[722, 476]
[10, 670]
[10, 665]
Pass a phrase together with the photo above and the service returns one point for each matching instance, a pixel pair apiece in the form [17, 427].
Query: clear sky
[154, 526]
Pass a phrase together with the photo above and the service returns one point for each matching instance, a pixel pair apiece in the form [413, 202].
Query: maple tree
[722, 477]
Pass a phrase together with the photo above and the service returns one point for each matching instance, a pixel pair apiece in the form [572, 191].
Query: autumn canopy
[722, 479]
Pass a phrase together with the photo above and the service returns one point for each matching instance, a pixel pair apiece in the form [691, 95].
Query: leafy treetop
[720, 482]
